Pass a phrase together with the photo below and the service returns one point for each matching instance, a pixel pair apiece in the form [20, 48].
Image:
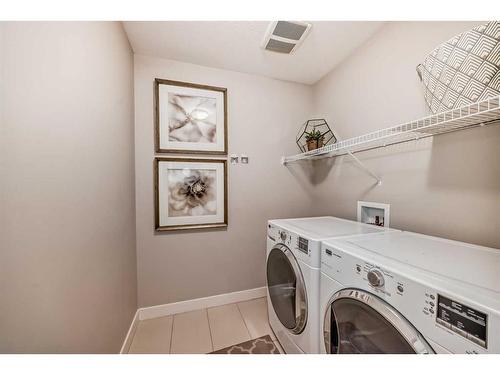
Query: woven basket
[464, 70]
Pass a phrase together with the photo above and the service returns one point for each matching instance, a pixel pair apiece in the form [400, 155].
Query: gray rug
[261, 345]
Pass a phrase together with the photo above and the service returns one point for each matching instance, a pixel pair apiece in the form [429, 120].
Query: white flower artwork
[192, 192]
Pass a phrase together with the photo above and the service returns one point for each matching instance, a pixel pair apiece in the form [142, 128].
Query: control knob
[283, 236]
[375, 278]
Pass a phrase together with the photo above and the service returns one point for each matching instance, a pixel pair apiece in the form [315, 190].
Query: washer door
[360, 322]
[286, 288]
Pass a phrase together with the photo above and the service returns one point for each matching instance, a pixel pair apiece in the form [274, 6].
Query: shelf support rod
[365, 168]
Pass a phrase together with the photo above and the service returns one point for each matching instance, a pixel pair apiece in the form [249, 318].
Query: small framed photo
[190, 193]
[190, 118]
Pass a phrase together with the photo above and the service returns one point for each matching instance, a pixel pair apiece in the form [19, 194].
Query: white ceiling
[237, 46]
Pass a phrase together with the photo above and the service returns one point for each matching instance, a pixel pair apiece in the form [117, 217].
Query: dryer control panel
[303, 247]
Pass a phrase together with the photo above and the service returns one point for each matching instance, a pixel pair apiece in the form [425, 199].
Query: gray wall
[448, 186]
[264, 115]
[67, 225]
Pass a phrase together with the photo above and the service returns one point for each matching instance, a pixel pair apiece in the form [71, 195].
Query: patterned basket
[464, 70]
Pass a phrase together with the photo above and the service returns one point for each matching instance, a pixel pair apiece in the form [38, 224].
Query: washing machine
[404, 292]
[293, 274]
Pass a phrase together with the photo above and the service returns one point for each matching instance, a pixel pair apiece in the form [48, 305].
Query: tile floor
[203, 331]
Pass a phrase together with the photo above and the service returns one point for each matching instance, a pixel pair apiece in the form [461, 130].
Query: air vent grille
[289, 30]
[279, 46]
[285, 36]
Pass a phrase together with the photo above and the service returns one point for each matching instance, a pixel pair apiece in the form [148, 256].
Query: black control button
[358, 268]
[432, 296]
[431, 311]
[400, 289]
[431, 303]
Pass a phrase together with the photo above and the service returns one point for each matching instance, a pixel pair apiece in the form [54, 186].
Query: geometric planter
[319, 125]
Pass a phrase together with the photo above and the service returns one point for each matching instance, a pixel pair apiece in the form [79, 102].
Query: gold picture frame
[190, 118]
[190, 193]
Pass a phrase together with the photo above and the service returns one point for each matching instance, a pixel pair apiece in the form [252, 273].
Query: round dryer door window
[357, 322]
[286, 288]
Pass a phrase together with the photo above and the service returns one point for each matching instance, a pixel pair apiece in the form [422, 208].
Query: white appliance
[403, 292]
[293, 274]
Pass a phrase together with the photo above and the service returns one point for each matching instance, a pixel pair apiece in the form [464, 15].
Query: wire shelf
[475, 114]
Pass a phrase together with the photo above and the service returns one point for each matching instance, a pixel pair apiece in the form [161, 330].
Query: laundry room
[273, 183]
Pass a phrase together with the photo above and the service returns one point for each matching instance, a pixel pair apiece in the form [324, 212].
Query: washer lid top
[318, 228]
[472, 264]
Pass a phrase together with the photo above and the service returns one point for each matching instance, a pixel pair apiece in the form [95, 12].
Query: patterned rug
[262, 345]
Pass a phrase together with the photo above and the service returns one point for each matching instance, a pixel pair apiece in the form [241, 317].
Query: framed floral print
[190, 193]
[190, 118]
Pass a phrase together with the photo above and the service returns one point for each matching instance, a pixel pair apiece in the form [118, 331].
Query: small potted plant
[314, 140]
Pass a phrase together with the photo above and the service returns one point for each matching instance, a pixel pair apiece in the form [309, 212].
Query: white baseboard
[130, 334]
[199, 303]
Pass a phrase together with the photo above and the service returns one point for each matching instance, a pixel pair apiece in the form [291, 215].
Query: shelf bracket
[365, 168]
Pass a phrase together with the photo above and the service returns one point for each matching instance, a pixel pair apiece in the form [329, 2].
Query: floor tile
[191, 333]
[152, 336]
[254, 313]
[227, 326]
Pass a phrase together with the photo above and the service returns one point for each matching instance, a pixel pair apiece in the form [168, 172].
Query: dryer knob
[375, 278]
[283, 236]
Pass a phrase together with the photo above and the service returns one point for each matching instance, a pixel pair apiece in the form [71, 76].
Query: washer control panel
[367, 275]
[462, 319]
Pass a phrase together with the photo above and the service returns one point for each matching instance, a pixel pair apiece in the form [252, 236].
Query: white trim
[130, 334]
[200, 303]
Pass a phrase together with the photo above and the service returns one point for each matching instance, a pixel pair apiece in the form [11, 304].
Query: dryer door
[360, 322]
[287, 288]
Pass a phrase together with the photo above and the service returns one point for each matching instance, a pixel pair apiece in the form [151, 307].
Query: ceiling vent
[285, 36]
